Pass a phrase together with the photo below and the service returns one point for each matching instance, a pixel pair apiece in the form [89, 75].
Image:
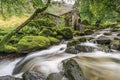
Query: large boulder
[105, 48]
[103, 40]
[66, 32]
[115, 45]
[31, 75]
[118, 34]
[9, 78]
[72, 70]
[32, 43]
[71, 50]
[84, 48]
[8, 49]
[55, 76]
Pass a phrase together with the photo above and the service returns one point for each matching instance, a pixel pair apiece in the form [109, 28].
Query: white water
[66, 1]
[46, 61]
[7, 66]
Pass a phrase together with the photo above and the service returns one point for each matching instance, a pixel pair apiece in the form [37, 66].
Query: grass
[12, 22]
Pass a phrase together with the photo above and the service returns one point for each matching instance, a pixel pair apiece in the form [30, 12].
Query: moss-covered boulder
[31, 75]
[83, 48]
[115, 45]
[14, 40]
[78, 33]
[88, 32]
[46, 32]
[71, 50]
[31, 43]
[2, 33]
[60, 37]
[8, 49]
[72, 70]
[53, 40]
[73, 42]
[66, 33]
[82, 39]
[55, 76]
[103, 40]
[1, 38]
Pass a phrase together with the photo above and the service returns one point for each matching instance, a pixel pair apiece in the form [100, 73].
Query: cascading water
[96, 65]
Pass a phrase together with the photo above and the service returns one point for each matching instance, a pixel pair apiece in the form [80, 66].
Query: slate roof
[58, 10]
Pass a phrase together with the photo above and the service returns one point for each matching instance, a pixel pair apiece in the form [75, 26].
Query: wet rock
[72, 70]
[116, 38]
[88, 32]
[103, 40]
[55, 76]
[73, 42]
[71, 50]
[31, 75]
[115, 45]
[9, 78]
[118, 34]
[107, 33]
[104, 48]
[84, 48]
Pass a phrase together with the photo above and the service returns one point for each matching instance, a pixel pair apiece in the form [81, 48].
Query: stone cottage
[66, 13]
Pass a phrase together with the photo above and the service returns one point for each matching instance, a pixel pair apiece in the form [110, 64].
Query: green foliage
[30, 43]
[73, 42]
[29, 30]
[1, 38]
[53, 40]
[78, 33]
[88, 32]
[47, 22]
[66, 32]
[98, 10]
[19, 7]
[8, 49]
[46, 32]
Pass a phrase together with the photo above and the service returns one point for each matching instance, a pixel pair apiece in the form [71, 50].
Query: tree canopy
[19, 7]
[12, 7]
[98, 9]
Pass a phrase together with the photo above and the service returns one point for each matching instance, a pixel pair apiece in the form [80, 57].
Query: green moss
[88, 32]
[46, 32]
[89, 38]
[66, 33]
[60, 37]
[14, 40]
[8, 49]
[78, 33]
[73, 42]
[2, 33]
[82, 39]
[31, 43]
[1, 38]
[53, 40]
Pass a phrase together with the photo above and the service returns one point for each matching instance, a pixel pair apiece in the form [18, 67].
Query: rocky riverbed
[89, 57]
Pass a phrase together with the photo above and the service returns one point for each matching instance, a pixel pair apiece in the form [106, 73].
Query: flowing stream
[97, 65]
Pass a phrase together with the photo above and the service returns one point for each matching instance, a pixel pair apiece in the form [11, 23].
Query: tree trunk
[9, 35]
